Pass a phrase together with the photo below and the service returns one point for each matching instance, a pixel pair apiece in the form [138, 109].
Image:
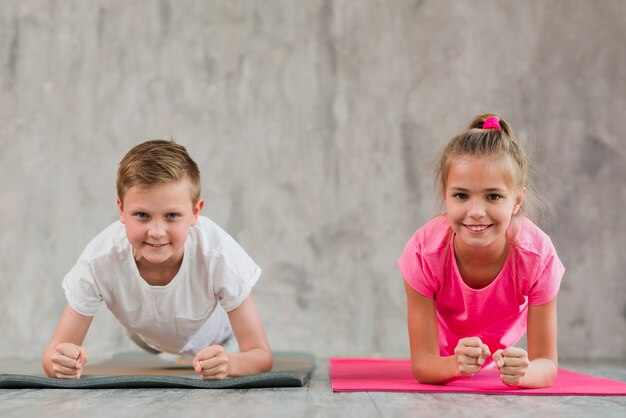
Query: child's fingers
[515, 352]
[69, 350]
[515, 362]
[63, 360]
[470, 342]
[84, 355]
[205, 354]
[498, 358]
[486, 353]
[64, 370]
[468, 351]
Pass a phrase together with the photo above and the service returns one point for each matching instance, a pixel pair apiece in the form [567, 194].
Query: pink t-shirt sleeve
[546, 285]
[415, 271]
[540, 265]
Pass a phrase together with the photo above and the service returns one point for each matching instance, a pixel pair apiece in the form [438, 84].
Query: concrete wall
[315, 124]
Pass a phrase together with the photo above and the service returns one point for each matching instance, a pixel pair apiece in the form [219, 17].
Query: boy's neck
[158, 275]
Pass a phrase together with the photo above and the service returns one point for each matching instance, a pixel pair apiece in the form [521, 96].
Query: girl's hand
[512, 363]
[471, 354]
[213, 363]
[68, 361]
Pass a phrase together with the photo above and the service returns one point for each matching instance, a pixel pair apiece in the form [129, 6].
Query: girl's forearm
[434, 369]
[250, 362]
[541, 373]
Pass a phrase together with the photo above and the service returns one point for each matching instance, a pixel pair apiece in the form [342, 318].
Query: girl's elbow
[422, 375]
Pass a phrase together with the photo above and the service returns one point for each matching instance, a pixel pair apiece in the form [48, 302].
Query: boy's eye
[460, 196]
[172, 216]
[141, 215]
[494, 197]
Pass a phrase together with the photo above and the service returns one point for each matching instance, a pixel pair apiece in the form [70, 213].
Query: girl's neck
[480, 266]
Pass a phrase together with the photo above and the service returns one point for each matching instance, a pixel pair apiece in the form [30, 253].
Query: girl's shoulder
[531, 239]
[433, 236]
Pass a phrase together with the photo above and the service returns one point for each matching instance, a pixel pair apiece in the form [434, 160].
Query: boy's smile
[157, 221]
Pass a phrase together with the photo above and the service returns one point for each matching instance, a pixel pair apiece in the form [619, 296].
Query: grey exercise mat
[142, 370]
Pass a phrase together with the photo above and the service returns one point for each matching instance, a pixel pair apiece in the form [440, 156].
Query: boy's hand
[513, 363]
[68, 361]
[471, 354]
[213, 363]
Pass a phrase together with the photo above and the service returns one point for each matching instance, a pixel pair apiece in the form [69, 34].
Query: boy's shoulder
[209, 236]
[111, 240]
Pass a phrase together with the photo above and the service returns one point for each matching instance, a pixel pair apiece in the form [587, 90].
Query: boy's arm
[255, 355]
[538, 367]
[64, 357]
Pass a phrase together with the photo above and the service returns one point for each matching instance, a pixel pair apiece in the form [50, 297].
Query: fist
[512, 363]
[212, 363]
[68, 361]
[470, 354]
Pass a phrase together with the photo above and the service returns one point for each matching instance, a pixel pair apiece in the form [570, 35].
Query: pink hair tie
[492, 123]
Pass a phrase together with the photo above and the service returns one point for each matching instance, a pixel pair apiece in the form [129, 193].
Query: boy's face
[158, 220]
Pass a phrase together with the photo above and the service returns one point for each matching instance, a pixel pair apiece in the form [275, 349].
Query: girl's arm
[427, 365]
[255, 355]
[538, 367]
[64, 357]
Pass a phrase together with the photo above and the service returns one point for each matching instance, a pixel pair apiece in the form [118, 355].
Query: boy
[175, 280]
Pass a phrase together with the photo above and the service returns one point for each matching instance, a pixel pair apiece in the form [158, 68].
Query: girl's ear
[120, 209]
[196, 211]
[519, 199]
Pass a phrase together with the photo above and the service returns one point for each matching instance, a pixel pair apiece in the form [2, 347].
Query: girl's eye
[461, 196]
[172, 216]
[494, 197]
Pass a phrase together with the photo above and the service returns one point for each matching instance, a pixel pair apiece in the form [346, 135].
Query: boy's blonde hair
[490, 143]
[156, 162]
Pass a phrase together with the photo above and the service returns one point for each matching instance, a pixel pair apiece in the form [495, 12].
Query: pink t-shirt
[497, 313]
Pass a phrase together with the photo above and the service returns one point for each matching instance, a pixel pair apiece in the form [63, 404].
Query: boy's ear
[196, 211]
[120, 208]
[519, 199]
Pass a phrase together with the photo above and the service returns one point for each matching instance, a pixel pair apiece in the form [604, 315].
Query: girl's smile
[480, 204]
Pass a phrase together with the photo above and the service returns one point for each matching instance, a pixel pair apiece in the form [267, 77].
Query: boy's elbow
[269, 361]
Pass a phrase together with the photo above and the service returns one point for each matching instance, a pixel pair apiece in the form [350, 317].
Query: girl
[482, 274]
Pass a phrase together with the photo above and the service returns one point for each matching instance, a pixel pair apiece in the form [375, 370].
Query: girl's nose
[476, 209]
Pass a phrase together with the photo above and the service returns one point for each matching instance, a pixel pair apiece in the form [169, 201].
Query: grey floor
[314, 400]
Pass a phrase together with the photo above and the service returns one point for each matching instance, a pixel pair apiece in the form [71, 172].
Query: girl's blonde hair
[490, 143]
[157, 162]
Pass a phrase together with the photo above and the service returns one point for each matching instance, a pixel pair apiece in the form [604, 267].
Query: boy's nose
[157, 230]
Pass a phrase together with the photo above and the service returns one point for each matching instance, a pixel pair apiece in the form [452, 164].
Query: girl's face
[157, 221]
[480, 203]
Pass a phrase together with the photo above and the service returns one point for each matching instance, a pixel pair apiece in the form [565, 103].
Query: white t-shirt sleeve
[81, 290]
[234, 274]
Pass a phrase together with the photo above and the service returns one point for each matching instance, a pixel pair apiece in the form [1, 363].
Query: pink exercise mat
[371, 375]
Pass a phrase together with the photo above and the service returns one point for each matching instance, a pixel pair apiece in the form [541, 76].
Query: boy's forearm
[250, 362]
[46, 362]
[541, 373]
[435, 370]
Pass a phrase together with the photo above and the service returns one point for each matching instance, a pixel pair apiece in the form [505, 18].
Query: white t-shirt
[216, 274]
